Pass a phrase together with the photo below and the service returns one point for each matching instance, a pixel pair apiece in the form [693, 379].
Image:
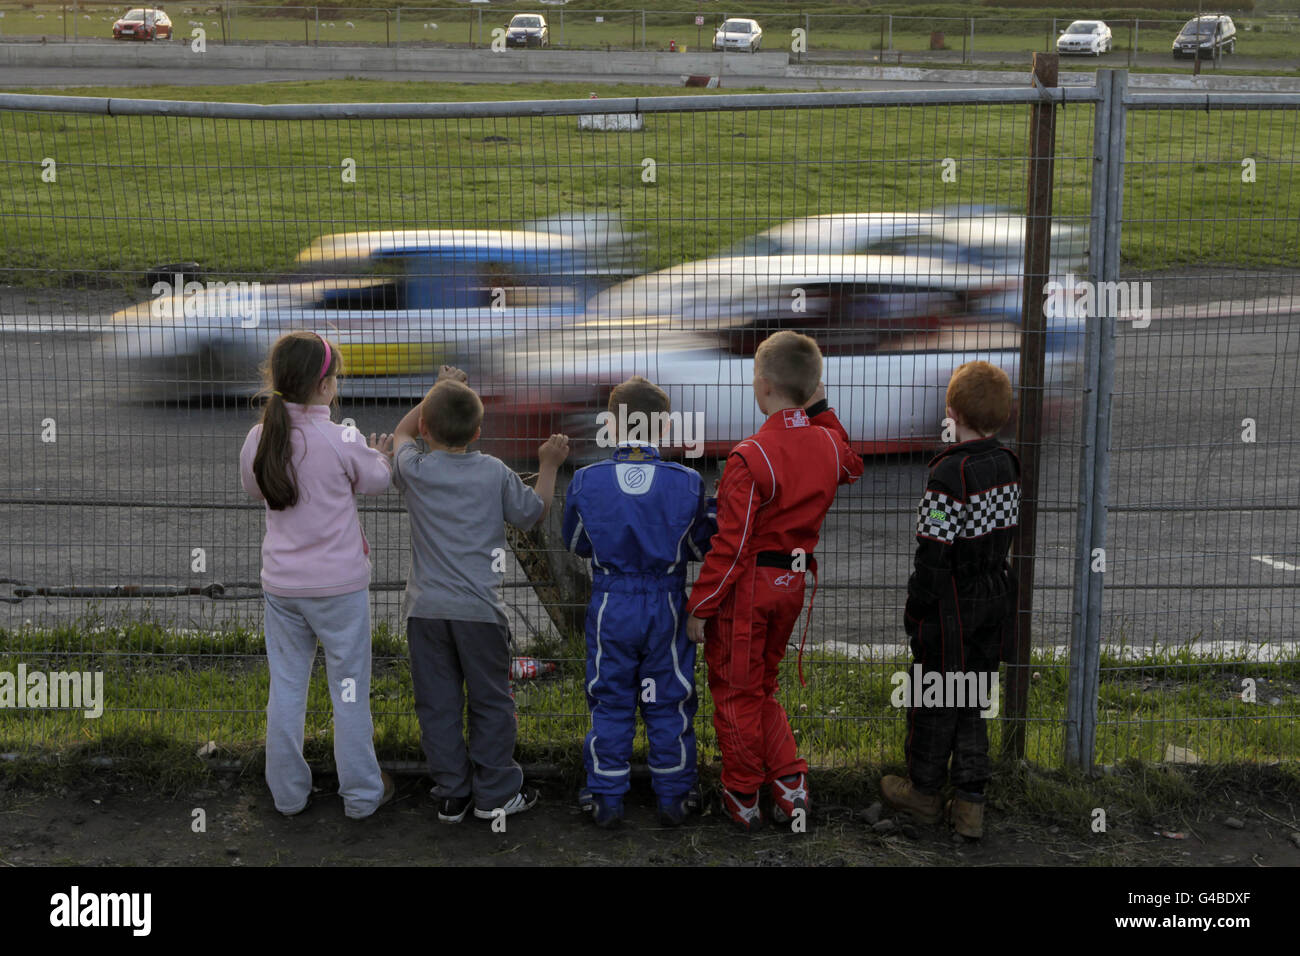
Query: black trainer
[453, 809]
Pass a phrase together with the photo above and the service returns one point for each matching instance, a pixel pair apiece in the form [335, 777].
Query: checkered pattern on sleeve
[939, 517]
[991, 510]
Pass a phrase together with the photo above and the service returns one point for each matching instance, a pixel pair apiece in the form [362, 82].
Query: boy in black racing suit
[961, 605]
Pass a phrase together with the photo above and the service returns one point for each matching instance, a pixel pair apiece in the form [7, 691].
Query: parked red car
[143, 23]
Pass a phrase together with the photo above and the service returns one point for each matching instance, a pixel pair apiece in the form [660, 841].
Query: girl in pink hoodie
[315, 570]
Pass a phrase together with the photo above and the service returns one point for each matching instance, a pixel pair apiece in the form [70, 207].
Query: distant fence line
[595, 28]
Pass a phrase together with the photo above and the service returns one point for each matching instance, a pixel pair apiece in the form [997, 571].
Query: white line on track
[1275, 563]
[14, 324]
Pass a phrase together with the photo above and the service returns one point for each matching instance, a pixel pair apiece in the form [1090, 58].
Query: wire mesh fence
[1202, 521]
[553, 249]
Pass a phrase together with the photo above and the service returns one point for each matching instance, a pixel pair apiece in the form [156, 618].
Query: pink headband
[326, 367]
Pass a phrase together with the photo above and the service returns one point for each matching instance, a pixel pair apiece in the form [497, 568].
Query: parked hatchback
[1206, 36]
[143, 23]
[738, 34]
[527, 29]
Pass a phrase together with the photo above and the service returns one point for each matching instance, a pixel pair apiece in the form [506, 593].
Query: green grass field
[243, 197]
[172, 693]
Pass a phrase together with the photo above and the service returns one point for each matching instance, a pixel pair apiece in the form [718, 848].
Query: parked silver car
[739, 33]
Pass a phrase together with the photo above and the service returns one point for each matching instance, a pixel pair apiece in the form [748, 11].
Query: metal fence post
[972, 39]
[397, 32]
[1088, 432]
[1029, 424]
[643, 29]
[1105, 388]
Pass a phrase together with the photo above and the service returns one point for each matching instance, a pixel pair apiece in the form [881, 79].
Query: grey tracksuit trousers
[342, 625]
[452, 660]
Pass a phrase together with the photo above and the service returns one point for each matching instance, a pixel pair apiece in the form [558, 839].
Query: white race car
[892, 330]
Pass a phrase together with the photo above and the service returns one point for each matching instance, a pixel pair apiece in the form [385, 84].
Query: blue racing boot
[606, 810]
[674, 810]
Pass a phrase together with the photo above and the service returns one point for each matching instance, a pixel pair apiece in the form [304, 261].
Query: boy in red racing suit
[776, 489]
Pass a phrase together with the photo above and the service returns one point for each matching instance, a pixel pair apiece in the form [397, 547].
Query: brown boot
[966, 818]
[899, 793]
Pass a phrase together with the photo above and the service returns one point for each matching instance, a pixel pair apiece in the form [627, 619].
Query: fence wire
[1199, 625]
[668, 250]
[1266, 39]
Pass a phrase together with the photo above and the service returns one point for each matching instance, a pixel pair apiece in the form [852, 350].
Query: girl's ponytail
[299, 362]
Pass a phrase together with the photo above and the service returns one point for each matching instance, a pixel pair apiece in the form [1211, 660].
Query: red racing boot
[742, 809]
[788, 795]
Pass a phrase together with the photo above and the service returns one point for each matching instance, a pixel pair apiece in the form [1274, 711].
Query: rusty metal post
[1029, 424]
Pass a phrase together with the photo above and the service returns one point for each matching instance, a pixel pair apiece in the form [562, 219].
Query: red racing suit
[775, 491]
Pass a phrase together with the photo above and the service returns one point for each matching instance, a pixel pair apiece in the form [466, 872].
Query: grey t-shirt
[459, 505]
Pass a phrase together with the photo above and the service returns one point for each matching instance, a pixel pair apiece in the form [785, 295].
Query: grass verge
[168, 693]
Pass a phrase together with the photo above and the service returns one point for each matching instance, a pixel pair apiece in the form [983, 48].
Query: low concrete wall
[577, 63]
[177, 55]
[1145, 81]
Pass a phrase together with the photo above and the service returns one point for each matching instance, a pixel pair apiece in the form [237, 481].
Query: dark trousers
[938, 735]
[450, 661]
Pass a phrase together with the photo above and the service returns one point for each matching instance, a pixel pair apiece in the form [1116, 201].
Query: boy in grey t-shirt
[459, 502]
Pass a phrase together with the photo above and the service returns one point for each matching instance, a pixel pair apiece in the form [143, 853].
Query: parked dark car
[1208, 35]
[527, 29]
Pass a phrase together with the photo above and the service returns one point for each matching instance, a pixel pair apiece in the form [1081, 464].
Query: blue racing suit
[639, 519]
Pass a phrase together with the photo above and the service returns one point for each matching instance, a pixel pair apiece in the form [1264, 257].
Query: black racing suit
[961, 605]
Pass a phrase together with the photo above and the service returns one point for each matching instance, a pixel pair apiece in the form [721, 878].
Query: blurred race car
[397, 303]
[836, 233]
[892, 330]
[990, 238]
[143, 23]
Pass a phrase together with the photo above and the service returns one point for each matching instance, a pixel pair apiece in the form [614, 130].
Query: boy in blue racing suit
[639, 519]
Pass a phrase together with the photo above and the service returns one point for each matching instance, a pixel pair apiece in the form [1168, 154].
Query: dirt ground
[109, 822]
